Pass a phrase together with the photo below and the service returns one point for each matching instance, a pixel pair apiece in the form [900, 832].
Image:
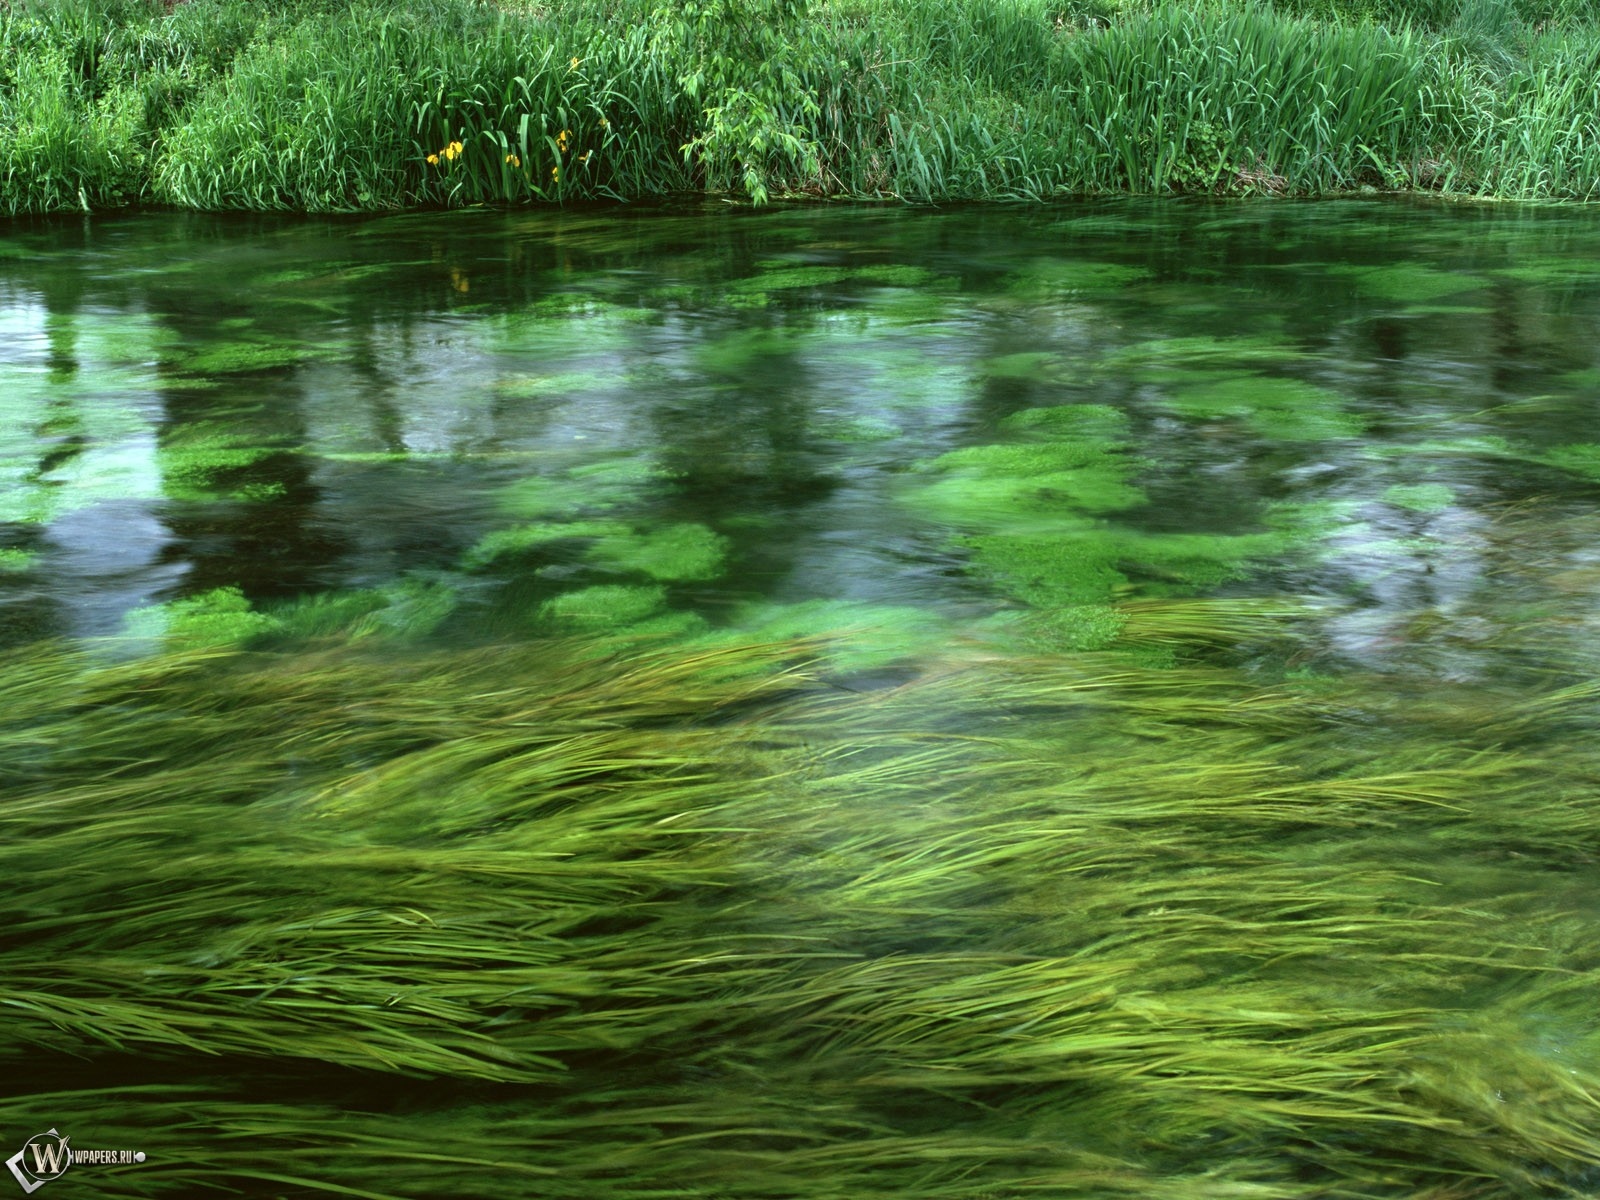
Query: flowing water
[800, 418]
[1238, 560]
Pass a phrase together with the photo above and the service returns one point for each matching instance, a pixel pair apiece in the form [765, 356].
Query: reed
[318, 106]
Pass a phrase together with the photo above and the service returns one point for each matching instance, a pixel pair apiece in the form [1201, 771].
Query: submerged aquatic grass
[700, 920]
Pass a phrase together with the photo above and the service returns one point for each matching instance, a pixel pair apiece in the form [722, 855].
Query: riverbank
[322, 107]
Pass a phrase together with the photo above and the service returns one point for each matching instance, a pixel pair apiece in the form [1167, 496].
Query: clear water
[1199, 802]
[289, 408]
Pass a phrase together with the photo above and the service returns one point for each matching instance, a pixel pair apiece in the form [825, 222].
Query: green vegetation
[1044, 518]
[698, 922]
[1088, 702]
[330, 107]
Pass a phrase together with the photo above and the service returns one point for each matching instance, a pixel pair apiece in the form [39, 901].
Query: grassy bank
[322, 106]
[700, 923]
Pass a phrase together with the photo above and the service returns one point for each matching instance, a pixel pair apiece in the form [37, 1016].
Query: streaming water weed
[701, 920]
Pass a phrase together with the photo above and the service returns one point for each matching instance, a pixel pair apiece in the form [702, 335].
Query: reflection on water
[1368, 405]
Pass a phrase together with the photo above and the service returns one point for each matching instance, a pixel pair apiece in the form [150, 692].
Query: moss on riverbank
[318, 106]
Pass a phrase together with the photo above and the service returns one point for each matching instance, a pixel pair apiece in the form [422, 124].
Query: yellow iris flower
[447, 153]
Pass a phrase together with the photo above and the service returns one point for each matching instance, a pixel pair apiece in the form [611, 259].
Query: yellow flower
[575, 63]
[513, 160]
[584, 157]
[604, 124]
[555, 173]
[433, 160]
[562, 139]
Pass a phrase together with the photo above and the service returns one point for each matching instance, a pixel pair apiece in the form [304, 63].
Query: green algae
[220, 617]
[567, 383]
[239, 356]
[735, 355]
[1060, 278]
[782, 276]
[1485, 446]
[17, 562]
[849, 430]
[1000, 484]
[1588, 378]
[587, 488]
[1072, 627]
[519, 539]
[1193, 359]
[1072, 461]
[204, 461]
[1025, 364]
[604, 606]
[1070, 567]
[1037, 518]
[1446, 310]
[1420, 497]
[1284, 410]
[1408, 282]
[908, 308]
[899, 275]
[1579, 458]
[1551, 270]
[410, 609]
[675, 553]
[1093, 425]
[1094, 562]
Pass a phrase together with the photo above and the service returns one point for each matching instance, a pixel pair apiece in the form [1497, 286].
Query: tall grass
[62, 146]
[1546, 140]
[1188, 99]
[571, 920]
[370, 106]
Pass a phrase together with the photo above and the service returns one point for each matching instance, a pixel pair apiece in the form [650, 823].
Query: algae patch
[677, 553]
[1039, 518]
[1420, 497]
[1283, 410]
[220, 617]
[1408, 282]
[605, 606]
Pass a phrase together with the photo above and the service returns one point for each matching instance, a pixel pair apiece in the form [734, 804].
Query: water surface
[1204, 611]
[288, 408]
